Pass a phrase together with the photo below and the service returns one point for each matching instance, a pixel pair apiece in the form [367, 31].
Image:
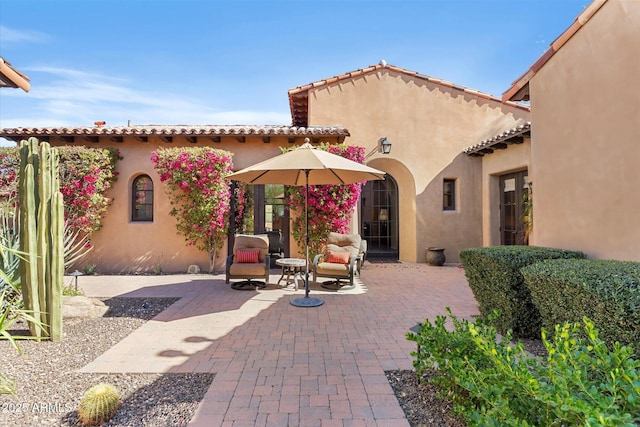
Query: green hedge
[606, 291]
[494, 277]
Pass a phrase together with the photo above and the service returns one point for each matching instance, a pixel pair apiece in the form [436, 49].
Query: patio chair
[341, 260]
[250, 260]
[276, 245]
[363, 253]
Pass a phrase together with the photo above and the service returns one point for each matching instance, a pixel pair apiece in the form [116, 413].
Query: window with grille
[449, 195]
[142, 200]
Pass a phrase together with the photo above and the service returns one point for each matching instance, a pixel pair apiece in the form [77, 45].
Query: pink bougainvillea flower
[196, 181]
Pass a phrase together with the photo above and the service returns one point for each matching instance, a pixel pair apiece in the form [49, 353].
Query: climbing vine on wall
[199, 192]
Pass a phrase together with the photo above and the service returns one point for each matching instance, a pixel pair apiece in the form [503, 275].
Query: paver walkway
[281, 365]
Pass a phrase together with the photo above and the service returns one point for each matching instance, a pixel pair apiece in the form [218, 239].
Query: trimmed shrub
[606, 291]
[494, 277]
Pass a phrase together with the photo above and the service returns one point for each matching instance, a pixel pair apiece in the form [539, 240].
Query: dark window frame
[449, 197]
[136, 214]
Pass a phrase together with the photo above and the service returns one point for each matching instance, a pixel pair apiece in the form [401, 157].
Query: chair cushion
[247, 255]
[332, 269]
[340, 242]
[249, 241]
[247, 269]
[341, 257]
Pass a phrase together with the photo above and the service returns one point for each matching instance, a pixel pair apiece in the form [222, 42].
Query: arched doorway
[379, 218]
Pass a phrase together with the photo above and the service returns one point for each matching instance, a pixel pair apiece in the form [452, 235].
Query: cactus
[41, 237]
[98, 404]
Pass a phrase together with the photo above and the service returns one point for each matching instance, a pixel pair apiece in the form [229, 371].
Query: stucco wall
[585, 143]
[429, 125]
[515, 158]
[125, 246]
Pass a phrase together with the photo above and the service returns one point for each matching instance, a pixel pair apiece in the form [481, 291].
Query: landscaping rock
[83, 307]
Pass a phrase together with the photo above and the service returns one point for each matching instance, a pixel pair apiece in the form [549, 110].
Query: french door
[379, 218]
[264, 213]
[514, 191]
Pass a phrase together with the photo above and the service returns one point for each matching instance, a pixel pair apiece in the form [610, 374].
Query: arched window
[142, 199]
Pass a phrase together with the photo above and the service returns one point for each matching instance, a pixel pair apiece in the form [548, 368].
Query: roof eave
[212, 131]
[13, 76]
[512, 136]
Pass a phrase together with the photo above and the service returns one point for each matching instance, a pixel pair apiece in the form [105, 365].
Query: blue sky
[232, 62]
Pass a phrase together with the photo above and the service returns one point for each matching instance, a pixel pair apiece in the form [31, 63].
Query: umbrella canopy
[307, 165]
[324, 168]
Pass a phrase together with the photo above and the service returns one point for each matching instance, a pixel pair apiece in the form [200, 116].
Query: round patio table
[291, 267]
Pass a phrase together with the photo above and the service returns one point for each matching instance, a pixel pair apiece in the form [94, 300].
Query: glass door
[271, 217]
[379, 218]
[264, 213]
[514, 191]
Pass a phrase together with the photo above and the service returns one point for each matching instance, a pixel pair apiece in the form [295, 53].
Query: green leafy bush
[493, 382]
[494, 277]
[606, 291]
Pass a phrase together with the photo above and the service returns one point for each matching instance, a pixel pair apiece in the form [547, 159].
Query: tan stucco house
[128, 245]
[461, 162]
[506, 161]
[581, 151]
[432, 196]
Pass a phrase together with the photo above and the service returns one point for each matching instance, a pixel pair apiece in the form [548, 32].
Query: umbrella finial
[307, 144]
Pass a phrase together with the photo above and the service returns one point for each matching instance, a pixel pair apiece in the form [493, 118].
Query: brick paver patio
[277, 364]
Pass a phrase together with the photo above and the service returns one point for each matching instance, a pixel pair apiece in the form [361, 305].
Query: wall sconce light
[383, 215]
[384, 147]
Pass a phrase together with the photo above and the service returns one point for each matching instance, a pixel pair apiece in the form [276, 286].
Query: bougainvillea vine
[86, 174]
[199, 193]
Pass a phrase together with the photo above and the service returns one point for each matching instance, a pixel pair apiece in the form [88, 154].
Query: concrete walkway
[281, 365]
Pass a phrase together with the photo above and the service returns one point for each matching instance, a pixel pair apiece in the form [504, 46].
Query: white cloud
[66, 97]
[10, 35]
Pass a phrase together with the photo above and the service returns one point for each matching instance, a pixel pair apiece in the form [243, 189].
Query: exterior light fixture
[75, 274]
[384, 145]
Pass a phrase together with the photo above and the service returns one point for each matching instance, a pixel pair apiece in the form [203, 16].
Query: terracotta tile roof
[177, 130]
[299, 96]
[10, 77]
[519, 90]
[501, 141]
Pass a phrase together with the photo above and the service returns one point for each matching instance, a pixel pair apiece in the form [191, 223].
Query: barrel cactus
[98, 404]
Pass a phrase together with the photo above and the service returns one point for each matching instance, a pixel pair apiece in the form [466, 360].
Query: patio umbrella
[304, 166]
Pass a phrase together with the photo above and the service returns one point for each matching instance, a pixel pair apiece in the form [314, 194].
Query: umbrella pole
[306, 232]
[306, 301]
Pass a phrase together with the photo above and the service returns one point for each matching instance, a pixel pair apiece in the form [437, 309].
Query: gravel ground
[420, 403]
[48, 390]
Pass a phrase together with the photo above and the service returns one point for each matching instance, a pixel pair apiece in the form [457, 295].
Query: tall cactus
[41, 237]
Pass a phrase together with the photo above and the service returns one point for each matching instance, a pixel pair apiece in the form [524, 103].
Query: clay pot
[435, 256]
